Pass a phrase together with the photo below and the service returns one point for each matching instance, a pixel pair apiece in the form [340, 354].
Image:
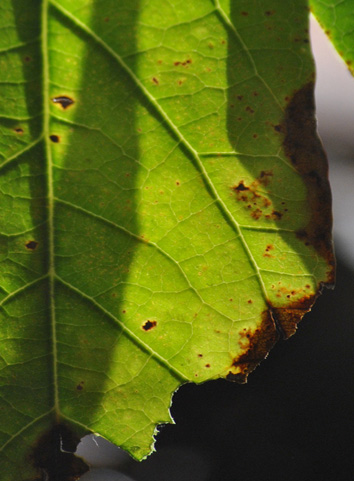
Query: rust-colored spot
[63, 100]
[54, 138]
[154, 79]
[256, 348]
[31, 245]
[303, 147]
[19, 130]
[185, 63]
[149, 325]
[178, 182]
[255, 136]
[53, 455]
[200, 355]
[244, 14]
[207, 365]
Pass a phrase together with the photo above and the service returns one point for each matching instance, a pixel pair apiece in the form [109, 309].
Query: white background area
[335, 113]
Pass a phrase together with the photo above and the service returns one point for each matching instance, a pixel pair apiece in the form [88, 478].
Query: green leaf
[165, 211]
[337, 20]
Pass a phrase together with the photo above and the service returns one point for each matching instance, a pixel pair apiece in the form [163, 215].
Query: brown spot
[303, 147]
[54, 138]
[265, 176]
[64, 101]
[277, 128]
[259, 344]
[178, 182]
[106, 19]
[255, 94]
[244, 14]
[149, 325]
[31, 245]
[249, 301]
[249, 109]
[80, 386]
[241, 187]
[223, 42]
[269, 13]
[53, 455]
[255, 136]
[18, 130]
[207, 365]
[154, 79]
[239, 97]
[200, 355]
[186, 62]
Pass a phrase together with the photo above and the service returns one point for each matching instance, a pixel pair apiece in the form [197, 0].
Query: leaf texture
[165, 210]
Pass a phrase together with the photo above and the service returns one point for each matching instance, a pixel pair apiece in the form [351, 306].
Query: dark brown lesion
[259, 343]
[148, 325]
[53, 455]
[64, 101]
[31, 245]
[304, 149]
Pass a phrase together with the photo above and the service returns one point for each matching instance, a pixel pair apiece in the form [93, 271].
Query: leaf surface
[165, 211]
[337, 20]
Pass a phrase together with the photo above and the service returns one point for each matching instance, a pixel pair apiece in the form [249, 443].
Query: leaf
[165, 211]
[337, 20]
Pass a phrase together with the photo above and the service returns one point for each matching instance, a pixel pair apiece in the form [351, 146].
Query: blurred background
[294, 420]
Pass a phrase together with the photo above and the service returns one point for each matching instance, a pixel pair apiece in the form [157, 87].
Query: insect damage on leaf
[53, 457]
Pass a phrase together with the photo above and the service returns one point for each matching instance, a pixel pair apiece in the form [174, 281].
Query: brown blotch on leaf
[249, 109]
[207, 365]
[154, 79]
[54, 138]
[288, 318]
[53, 455]
[63, 100]
[244, 14]
[27, 58]
[19, 130]
[259, 344]
[80, 386]
[149, 325]
[31, 245]
[303, 147]
[185, 63]
[269, 13]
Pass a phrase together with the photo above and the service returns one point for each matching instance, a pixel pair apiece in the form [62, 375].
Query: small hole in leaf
[32, 245]
[63, 100]
[149, 325]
